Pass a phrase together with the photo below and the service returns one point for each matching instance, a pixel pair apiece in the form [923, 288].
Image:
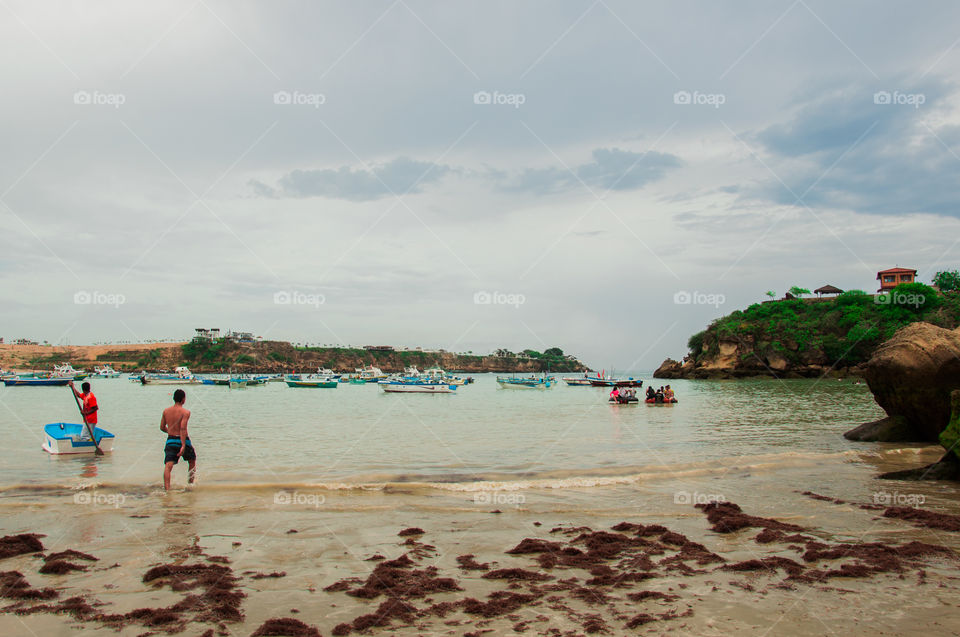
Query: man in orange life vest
[89, 408]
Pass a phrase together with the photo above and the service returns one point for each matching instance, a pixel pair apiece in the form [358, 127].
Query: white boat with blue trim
[416, 386]
[67, 438]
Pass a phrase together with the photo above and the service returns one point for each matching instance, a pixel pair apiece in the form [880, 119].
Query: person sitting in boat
[88, 408]
[615, 394]
[659, 395]
[651, 392]
[668, 394]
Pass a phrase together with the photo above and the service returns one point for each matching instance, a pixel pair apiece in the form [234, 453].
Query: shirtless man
[174, 424]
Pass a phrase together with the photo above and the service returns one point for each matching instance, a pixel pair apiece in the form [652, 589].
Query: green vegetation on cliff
[838, 332]
[280, 356]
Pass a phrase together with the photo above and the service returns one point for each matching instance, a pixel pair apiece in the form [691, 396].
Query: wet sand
[796, 563]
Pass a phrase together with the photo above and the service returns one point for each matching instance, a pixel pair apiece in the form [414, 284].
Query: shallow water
[357, 434]
[348, 468]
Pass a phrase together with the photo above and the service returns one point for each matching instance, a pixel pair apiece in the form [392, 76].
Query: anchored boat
[508, 382]
[65, 438]
[105, 371]
[416, 386]
[180, 376]
[35, 382]
[319, 382]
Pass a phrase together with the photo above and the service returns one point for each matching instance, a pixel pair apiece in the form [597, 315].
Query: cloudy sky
[602, 176]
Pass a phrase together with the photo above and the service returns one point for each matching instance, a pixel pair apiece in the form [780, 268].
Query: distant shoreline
[265, 356]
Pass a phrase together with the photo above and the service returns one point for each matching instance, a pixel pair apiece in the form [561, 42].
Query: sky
[604, 177]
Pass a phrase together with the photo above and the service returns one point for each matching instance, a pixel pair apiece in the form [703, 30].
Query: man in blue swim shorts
[174, 424]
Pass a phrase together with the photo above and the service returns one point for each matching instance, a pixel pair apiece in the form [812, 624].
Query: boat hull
[418, 388]
[318, 384]
[511, 385]
[36, 382]
[61, 438]
[172, 381]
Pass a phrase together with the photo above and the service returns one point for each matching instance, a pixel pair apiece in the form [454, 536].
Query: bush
[914, 296]
[695, 343]
[854, 297]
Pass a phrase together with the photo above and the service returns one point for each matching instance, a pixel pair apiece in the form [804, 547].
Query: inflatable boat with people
[662, 396]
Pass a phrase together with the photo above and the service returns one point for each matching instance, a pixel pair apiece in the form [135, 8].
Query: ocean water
[357, 435]
[348, 468]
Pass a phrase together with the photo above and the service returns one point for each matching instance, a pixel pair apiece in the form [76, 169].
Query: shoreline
[265, 357]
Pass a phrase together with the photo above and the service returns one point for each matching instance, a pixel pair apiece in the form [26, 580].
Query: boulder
[911, 377]
[889, 429]
[948, 467]
[669, 369]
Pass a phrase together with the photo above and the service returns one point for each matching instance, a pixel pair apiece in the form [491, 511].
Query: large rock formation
[948, 467]
[745, 357]
[911, 377]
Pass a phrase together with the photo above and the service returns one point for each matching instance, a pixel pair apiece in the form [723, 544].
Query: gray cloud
[396, 177]
[840, 149]
[611, 169]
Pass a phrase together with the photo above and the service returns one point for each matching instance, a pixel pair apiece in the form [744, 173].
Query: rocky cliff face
[911, 377]
[745, 357]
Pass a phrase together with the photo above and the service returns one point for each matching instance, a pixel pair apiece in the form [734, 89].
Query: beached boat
[63, 438]
[104, 371]
[509, 382]
[416, 386]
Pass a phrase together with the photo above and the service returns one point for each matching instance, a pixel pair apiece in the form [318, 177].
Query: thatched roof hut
[827, 289]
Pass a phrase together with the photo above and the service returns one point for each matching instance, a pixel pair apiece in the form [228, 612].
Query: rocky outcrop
[745, 358]
[948, 467]
[911, 376]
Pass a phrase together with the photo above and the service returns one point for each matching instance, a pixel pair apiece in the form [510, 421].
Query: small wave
[466, 482]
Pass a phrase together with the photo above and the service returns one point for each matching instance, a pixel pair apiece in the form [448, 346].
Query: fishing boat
[371, 374]
[416, 386]
[237, 383]
[67, 371]
[437, 374]
[180, 376]
[104, 371]
[314, 380]
[577, 382]
[35, 382]
[65, 438]
[509, 382]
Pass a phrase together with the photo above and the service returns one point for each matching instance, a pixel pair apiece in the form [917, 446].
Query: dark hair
[85, 387]
[179, 396]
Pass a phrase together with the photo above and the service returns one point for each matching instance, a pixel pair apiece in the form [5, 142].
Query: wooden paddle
[93, 436]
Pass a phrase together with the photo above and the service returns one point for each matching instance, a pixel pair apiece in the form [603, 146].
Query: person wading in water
[174, 424]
